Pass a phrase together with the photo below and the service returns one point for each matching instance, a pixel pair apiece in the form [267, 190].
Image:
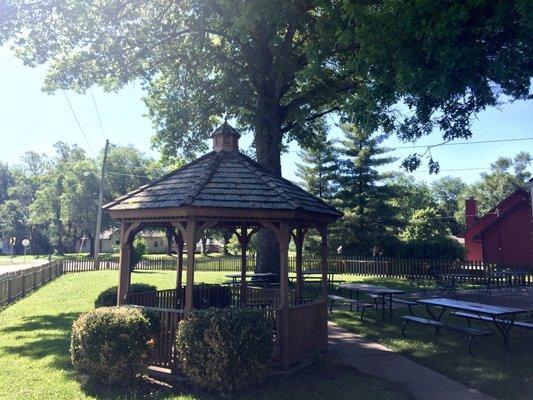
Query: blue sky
[33, 120]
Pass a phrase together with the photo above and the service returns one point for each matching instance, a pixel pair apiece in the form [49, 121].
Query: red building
[504, 234]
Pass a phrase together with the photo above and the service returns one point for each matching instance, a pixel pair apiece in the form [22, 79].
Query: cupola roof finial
[225, 137]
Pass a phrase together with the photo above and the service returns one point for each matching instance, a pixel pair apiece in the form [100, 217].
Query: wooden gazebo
[226, 189]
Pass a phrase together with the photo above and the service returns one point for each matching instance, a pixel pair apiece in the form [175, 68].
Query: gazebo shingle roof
[223, 179]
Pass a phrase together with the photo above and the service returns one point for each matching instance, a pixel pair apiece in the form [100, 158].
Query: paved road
[6, 268]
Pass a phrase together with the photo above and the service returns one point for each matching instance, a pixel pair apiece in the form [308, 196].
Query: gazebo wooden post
[283, 242]
[190, 241]
[298, 237]
[324, 252]
[178, 238]
[127, 233]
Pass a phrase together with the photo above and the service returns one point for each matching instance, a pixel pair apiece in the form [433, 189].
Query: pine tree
[370, 221]
[319, 168]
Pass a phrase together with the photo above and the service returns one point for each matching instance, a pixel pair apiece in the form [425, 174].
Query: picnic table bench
[471, 332]
[469, 316]
[382, 293]
[409, 303]
[503, 318]
[351, 302]
[257, 277]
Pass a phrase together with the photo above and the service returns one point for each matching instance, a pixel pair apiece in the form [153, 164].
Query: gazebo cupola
[226, 189]
[225, 138]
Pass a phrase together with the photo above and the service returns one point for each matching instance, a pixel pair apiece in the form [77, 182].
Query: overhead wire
[78, 122]
[98, 115]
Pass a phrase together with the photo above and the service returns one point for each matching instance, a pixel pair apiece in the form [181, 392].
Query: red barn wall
[474, 250]
[511, 239]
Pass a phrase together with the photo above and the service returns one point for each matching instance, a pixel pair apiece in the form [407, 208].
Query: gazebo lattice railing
[306, 316]
[225, 189]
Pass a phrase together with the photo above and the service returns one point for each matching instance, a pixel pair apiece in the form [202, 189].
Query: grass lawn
[504, 376]
[35, 338]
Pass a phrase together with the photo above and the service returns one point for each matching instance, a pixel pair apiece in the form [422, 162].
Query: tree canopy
[278, 65]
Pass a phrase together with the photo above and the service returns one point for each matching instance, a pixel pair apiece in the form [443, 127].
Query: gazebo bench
[351, 302]
[468, 316]
[471, 332]
[399, 300]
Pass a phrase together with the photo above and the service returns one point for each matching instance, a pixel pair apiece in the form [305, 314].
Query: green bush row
[108, 298]
[223, 349]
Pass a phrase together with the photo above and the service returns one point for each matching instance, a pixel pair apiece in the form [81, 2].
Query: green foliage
[277, 66]
[369, 215]
[225, 349]
[443, 61]
[53, 202]
[108, 298]
[505, 176]
[428, 236]
[6, 181]
[138, 250]
[425, 224]
[110, 344]
[448, 193]
[209, 295]
[320, 165]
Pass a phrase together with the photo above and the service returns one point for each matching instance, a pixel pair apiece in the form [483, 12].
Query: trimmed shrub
[207, 295]
[108, 298]
[225, 349]
[111, 344]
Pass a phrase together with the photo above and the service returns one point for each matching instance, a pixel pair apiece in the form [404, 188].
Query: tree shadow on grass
[41, 336]
[499, 374]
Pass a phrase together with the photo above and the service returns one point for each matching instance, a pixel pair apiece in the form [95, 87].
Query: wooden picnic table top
[479, 308]
[508, 273]
[454, 275]
[318, 272]
[252, 274]
[362, 287]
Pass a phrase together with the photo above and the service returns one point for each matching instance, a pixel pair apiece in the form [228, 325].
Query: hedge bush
[225, 349]
[209, 295]
[111, 344]
[108, 298]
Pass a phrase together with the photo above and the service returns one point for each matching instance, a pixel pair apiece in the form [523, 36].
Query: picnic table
[262, 276]
[381, 292]
[507, 278]
[447, 283]
[503, 318]
[309, 272]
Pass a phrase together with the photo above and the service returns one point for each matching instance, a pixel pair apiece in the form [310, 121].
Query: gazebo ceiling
[222, 180]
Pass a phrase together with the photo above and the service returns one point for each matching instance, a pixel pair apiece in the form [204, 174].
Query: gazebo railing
[307, 318]
[205, 296]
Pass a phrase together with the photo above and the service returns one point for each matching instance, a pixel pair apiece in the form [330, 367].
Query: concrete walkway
[374, 359]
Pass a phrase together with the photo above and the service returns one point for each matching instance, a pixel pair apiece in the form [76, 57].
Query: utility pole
[99, 215]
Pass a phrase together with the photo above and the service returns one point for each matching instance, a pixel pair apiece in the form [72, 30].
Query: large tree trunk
[268, 139]
[226, 234]
[91, 246]
[204, 244]
[169, 234]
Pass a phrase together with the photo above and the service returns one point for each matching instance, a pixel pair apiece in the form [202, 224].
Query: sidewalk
[374, 359]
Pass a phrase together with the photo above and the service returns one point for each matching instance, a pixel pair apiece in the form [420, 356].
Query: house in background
[155, 239]
[503, 235]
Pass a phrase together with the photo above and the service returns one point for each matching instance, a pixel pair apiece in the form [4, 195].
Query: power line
[126, 174]
[98, 115]
[78, 122]
[462, 143]
[448, 143]
[456, 170]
